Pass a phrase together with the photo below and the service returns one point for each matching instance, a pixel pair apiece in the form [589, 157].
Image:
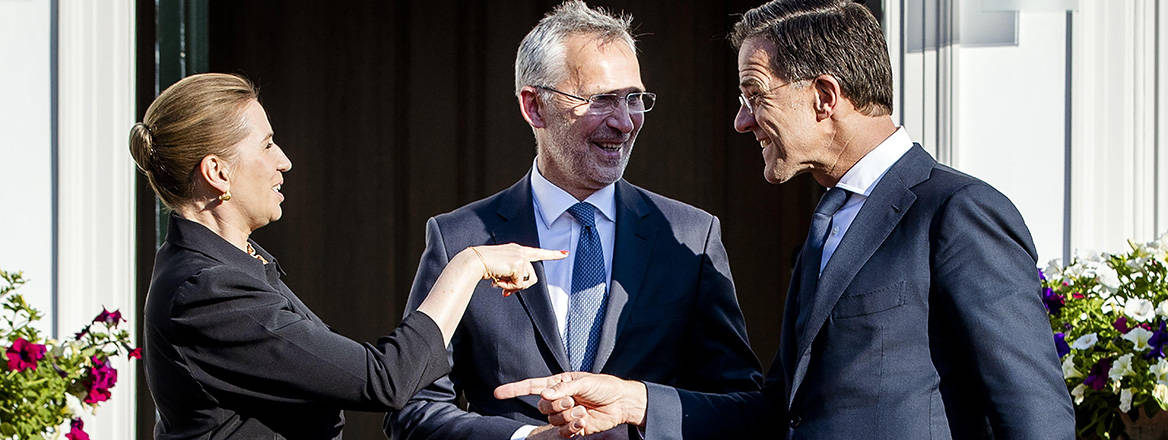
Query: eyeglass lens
[639, 102]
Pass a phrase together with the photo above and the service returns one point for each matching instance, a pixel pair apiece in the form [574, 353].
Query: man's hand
[583, 403]
[545, 432]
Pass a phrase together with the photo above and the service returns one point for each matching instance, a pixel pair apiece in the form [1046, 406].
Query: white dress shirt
[859, 182]
[559, 230]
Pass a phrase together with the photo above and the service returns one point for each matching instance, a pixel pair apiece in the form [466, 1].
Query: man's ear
[531, 107]
[827, 96]
[213, 169]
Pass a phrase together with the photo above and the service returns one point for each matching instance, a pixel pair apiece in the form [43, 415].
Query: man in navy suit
[646, 291]
[914, 311]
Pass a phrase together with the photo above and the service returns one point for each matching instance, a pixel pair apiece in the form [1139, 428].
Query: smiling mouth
[277, 187]
[611, 147]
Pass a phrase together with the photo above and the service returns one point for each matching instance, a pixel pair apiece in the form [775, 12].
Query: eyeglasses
[753, 100]
[605, 103]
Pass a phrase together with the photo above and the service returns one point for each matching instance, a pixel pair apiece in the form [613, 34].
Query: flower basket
[46, 385]
[1146, 427]
[1108, 314]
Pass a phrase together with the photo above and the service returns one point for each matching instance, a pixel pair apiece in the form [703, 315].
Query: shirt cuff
[522, 432]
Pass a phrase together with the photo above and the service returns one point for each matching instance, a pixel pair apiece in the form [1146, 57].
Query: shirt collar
[552, 201]
[864, 175]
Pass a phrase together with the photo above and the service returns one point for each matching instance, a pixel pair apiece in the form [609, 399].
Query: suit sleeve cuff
[663, 416]
[522, 432]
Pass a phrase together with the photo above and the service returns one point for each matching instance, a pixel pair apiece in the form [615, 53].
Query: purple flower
[1098, 377]
[1157, 341]
[1053, 301]
[1121, 325]
[1041, 275]
[75, 432]
[99, 379]
[109, 318]
[23, 355]
[1060, 343]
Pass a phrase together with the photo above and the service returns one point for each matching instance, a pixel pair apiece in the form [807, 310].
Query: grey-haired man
[646, 292]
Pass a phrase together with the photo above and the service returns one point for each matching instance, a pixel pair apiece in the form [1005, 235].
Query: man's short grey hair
[540, 60]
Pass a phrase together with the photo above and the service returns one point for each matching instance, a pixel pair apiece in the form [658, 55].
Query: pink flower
[136, 353]
[23, 355]
[81, 334]
[99, 379]
[75, 432]
[109, 318]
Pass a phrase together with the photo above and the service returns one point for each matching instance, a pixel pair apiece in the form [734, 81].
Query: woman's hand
[508, 266]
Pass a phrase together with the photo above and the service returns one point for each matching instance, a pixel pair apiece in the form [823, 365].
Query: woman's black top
[232, 353]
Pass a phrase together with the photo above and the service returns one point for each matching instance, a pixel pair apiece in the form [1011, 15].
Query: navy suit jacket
[927, 323]
[672, 316]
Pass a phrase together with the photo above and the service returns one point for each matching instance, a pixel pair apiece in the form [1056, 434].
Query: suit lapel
[517, 225]
[633, 245]
[880, 214]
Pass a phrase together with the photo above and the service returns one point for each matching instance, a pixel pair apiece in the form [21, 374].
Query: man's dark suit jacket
[672, 316]
[232, 353]
[927, 324]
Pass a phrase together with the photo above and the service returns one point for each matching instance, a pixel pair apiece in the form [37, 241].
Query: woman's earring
[225, 196]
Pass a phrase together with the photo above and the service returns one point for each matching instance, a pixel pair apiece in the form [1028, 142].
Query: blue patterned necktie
[589, 285]
[812, 253]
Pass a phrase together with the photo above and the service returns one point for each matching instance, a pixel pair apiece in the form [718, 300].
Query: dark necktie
[589, 284]
[812, 253]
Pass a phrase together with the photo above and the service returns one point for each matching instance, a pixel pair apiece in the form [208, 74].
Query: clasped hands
[580, 403]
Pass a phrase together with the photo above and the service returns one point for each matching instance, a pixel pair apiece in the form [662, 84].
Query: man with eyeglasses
[914, 311]
[646, 291]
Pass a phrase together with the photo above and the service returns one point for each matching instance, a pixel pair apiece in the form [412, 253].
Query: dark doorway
[396, 111]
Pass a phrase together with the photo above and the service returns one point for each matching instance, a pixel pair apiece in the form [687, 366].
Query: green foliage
[1111, 311]
[34, 402]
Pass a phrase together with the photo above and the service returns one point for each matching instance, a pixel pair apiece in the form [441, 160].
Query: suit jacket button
[795, 421]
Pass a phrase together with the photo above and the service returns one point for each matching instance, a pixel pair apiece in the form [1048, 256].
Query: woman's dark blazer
[231, 352]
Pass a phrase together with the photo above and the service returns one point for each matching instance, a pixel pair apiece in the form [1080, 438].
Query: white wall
[1114, 134]
[95, 175]
[998, 111]
[96, 181]
[25, 148]
[1011, 122]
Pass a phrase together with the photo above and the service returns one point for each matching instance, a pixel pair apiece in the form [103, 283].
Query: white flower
[1136, 264]
[1122, 367]
[1082, 316]
[1086, 341]
[1160, 392]
[1110, 304]
[1077, 393]
[1140, 309]
[1139, 336]
[1088, 256]
[1107, 277]
[1069, 371]
[1053, 269]
[1159, 371]
[1125, 397]
[1162, 309]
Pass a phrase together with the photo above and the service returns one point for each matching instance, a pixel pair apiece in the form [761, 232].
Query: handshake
[580, 403]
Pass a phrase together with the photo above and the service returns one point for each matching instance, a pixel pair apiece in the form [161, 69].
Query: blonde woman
[230, 351]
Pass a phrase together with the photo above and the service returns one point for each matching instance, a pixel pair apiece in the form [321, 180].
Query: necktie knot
[585, 213]
[832, 201]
